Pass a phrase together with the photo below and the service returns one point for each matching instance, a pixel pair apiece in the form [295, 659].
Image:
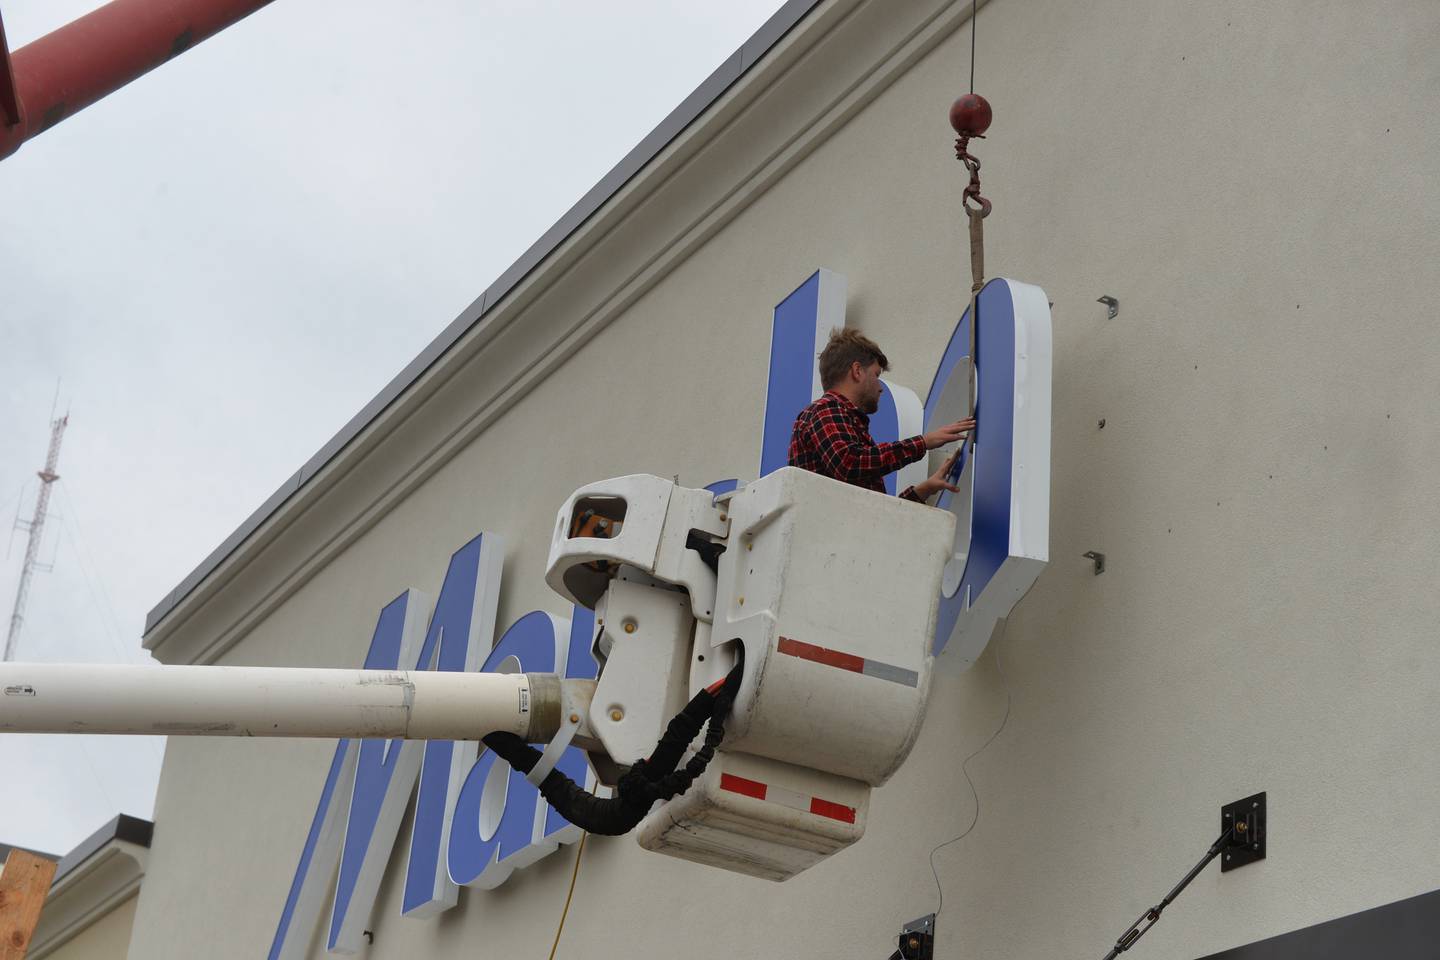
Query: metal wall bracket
[917, 939]
[1112, 306]
[1099, 559]
[1247, 843]
[1241, 840]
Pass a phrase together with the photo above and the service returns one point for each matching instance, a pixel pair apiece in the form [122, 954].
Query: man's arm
[848, 456]
[939, 480]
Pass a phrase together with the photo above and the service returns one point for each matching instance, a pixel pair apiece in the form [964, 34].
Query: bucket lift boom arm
[794, 618]
[217, 701]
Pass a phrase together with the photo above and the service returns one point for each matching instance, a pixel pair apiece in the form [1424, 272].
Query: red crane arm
[64, 72]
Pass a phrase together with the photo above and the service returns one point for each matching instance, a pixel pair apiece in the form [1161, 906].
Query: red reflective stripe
[835, 811]
[831, 658]
[756, 789]
[748, 788]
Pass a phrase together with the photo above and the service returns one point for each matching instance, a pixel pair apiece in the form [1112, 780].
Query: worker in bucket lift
[832, 436]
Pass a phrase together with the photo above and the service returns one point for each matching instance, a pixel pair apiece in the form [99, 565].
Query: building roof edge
[734, 67]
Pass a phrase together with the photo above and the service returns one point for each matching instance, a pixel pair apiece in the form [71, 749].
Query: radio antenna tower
[36, 526]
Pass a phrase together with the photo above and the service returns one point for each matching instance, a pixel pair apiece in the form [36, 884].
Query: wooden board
[24, 885]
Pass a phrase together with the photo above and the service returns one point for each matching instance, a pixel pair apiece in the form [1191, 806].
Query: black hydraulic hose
[648, 780]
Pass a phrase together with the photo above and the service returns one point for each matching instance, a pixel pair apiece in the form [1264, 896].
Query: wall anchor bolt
[1112, 306]
[917, 939]
[1245, 821]
[1099, 559]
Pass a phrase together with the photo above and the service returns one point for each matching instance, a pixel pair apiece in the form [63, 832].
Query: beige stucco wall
[1255, 183]
[108, 938]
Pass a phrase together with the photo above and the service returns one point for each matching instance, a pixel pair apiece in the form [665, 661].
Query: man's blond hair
[846, 346]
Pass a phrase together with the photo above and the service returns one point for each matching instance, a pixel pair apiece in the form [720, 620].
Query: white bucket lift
[829, 593]
[830, 590]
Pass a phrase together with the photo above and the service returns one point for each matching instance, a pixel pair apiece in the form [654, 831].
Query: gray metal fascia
[121, 827]
[772, 31]
[227, 547]
[710, 90]
[398, 384]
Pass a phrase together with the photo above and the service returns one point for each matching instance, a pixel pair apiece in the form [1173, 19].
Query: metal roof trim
[689, 110]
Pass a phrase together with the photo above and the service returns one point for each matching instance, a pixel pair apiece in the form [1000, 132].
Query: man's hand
[948, 433]
[940, 479]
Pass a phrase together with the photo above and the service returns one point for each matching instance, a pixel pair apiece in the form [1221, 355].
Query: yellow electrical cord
[580, 850]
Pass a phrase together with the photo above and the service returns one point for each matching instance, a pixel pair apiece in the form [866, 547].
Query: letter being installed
[476, 820]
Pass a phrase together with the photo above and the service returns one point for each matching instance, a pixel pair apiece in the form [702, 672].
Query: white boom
[828, 592]
[275, 702]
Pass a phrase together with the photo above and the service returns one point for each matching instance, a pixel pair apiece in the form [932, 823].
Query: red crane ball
[970, 115]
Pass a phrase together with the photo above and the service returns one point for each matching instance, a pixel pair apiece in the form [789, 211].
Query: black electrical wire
[964, 769]
[648, 780]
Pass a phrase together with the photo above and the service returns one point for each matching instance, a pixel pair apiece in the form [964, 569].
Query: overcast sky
[222, 262]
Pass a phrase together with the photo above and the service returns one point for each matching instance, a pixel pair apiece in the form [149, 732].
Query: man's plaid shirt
[832, 438]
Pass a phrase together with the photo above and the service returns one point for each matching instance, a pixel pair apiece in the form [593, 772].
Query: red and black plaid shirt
[832, 438]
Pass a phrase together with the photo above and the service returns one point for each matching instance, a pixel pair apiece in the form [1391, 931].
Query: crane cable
[970, 117]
